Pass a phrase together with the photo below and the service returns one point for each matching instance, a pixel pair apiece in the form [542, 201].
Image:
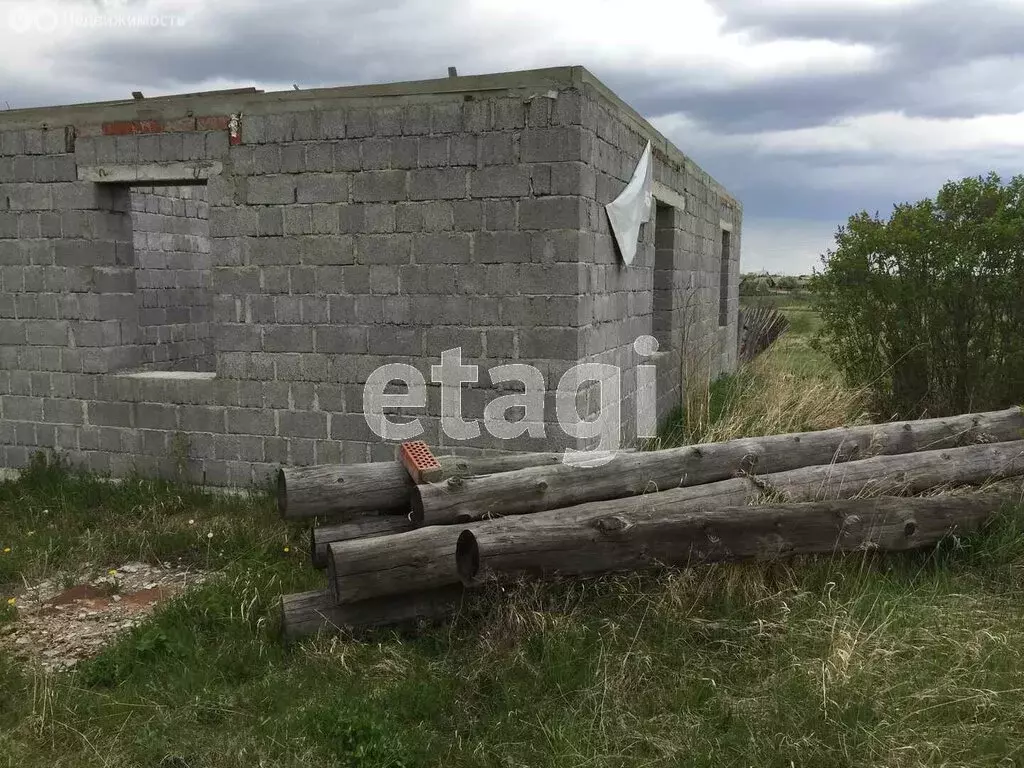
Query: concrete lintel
[726, 225]
[143, 173]
[173, 375]
[668, 196]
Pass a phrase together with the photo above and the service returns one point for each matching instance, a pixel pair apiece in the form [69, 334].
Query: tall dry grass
[787, 389]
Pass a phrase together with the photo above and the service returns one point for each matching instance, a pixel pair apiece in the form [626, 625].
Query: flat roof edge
[245, 99]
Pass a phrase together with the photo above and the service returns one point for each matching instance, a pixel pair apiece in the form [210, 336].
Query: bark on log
[361, 528]
[584, 544]
[306, 613]
[551, 487]
[416, 561]
[344, 490]
[423, 558]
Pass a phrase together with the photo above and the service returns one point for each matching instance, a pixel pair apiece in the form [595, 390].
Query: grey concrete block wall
[347, 228]
[672, 290]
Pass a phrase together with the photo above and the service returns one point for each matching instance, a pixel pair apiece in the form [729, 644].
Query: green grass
[904, 660]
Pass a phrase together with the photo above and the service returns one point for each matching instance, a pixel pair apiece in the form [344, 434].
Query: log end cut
[282, 494]
[416, 506]
[467, 557]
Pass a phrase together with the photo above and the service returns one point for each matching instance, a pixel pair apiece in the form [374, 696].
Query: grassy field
[902, 661]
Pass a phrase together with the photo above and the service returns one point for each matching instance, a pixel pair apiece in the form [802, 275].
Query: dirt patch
[59, 625]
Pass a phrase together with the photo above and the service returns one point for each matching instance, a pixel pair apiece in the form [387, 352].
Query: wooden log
[342, 490]
[422, 559]
[307, 613]
[550, 487]
[583, 544]
[417, 561]
[360, 528]
[345, 490]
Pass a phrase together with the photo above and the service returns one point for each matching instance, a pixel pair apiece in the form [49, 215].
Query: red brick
[212, 123]
[128, 127]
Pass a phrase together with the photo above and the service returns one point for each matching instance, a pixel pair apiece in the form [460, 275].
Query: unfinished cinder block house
[202, 283]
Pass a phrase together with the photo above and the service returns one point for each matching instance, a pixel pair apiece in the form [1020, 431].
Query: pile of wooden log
[396, 550]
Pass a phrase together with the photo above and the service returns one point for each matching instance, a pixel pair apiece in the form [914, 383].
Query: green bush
[926, 309]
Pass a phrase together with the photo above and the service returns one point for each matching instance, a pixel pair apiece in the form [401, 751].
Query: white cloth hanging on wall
[633, 207]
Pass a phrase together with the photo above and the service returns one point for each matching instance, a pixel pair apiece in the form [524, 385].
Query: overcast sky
[807, 110]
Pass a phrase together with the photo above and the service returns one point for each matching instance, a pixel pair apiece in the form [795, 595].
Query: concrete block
[202, 418]
[468, 215]
[156, 416]
[549, 343]
[549, 145]
[553, 213]
[250, 421]
[388, 121]
[63, 411]
[502, 247]
[332, 124]
[242, 337]
[416, 120]
[568, 108]
[379, 186]
[20, 408]
[238, 221]
[324, 220]
[573, 179]
[437, 184]
[383, 249]
[359, 123]
[266, 158]
[293, 158]
[280, 128]
[380, 218]
[375, 154]
[500, 181]
[384, 279]
[272, 190]
[463, 149]
[433, 151]
[446, 118]
[353, 427]
[287, 338]
[440, 339]
[270, 222]
[497, 149]
[320, 157]
[298, 219]
[500, 215]
[508, 114]
[395, 340]
[323, 188]
[442, 248]
[405, 152]
[347, 155]
[307, 125]
[109, 414]
[46, 332]
[500, 344]
[308, 424]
